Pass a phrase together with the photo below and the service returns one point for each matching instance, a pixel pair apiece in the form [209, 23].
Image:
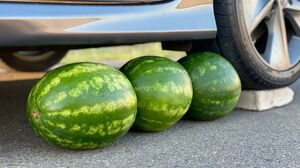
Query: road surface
[243, 139]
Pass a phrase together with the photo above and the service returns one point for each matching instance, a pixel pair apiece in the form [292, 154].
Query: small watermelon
[82, 106]
[164, 91]
[216, 85]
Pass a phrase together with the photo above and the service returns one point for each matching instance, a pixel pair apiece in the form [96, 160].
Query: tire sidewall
[248, 51]
[39, 65]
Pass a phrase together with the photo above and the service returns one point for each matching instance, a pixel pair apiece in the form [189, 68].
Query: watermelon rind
[216, 85]
[82, 106]
[164, 91]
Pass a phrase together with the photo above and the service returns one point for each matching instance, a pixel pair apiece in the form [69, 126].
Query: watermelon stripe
[61, 125]
[165, 110]
[109, 128]
[136, 68]
[97, 109]
[169, 87]
[64, 142]
[113, 128]
[50, 85]
[79, 89]
[96, 83]
[81, 69]
[71, 73]
[152, 125]
[165, 69]
[84, 88]
[60, 97]
[154, 121]
[111, 81]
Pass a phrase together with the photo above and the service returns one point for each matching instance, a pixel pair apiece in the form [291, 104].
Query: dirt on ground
[8, 74]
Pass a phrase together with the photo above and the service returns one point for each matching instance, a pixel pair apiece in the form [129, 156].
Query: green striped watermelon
[216, 85]
[82, 106]
[164, 91]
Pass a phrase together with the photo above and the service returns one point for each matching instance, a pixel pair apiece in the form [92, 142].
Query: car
[261, 38]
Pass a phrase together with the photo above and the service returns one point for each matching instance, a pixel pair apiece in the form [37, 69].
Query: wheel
[35, 60]
[261, 38]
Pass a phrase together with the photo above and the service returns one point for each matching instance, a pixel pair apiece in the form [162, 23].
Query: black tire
[234, 44]
[40, 60]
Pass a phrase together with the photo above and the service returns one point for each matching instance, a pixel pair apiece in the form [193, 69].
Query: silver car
[261, 38]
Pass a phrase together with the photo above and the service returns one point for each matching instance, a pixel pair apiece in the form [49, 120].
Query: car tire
[36, 60]
[248, 54]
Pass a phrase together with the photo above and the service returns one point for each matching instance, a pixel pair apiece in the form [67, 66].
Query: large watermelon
[216, 85]
[164, 91]
[82, 106]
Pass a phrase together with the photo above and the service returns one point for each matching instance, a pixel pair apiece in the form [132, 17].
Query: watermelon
[82, 106]
[164, 91]
[216, 85]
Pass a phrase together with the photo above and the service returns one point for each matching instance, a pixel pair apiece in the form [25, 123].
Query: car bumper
[40, 24]
[102, 2]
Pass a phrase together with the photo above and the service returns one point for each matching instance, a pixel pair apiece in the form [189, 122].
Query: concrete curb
[265, 99]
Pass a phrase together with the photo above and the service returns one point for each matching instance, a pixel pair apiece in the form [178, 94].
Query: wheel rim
[274, 29]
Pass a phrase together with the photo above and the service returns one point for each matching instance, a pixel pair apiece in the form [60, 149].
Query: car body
[261, 38]
[40, 24]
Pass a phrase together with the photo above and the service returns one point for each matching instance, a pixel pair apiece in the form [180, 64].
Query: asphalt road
[243, 139]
